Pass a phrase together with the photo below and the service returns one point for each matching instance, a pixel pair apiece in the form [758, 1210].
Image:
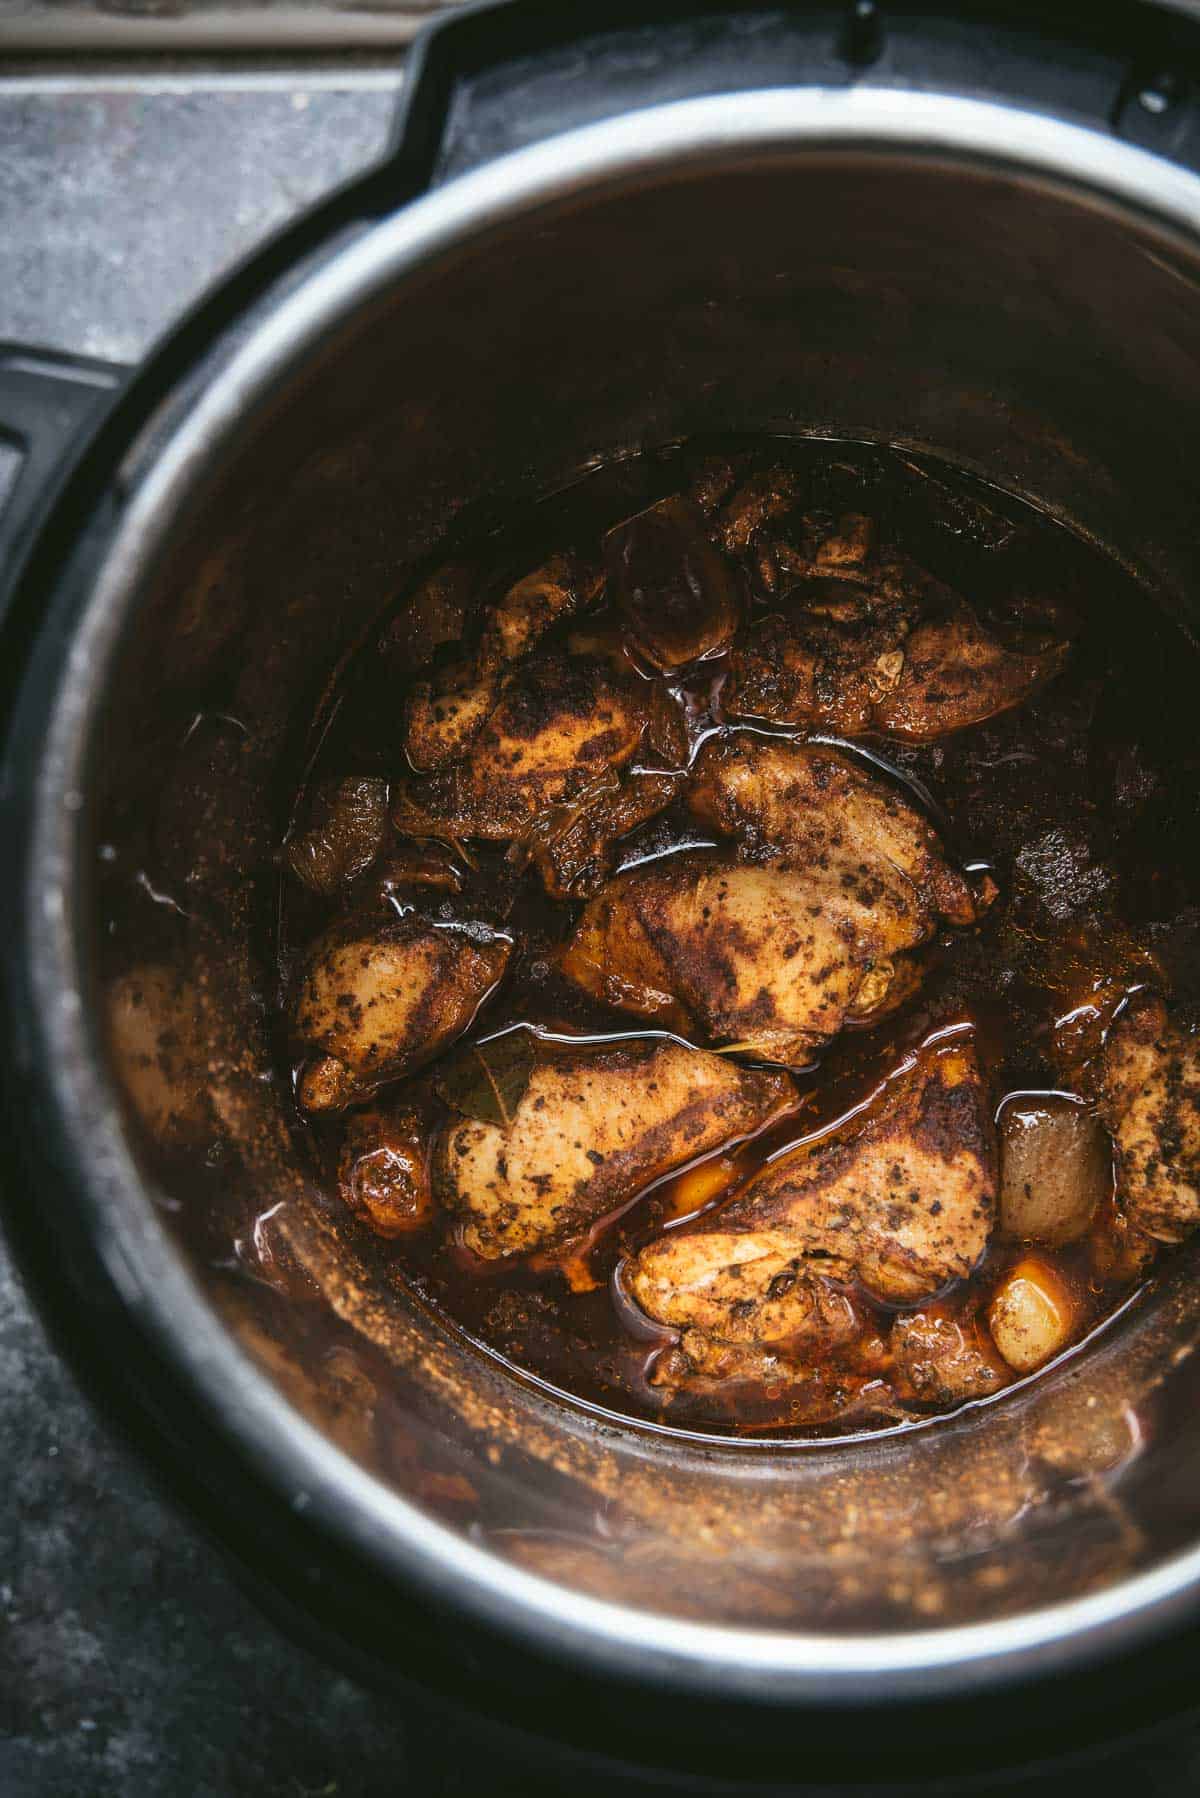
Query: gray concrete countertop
[169, 27]
[123, 196]
[131, 1666]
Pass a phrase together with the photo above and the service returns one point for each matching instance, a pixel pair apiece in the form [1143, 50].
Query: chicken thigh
[157, 1044]
[807, 927]
[944, 1360]
[756, 502]
[372, 1005]
[816, 548]
[957, 672]
[562, 587]
[900, 1197]
[868, 641]
[1149, 1098]
[746, 1288]
[593, 1128]
[444, 715]
[771, 958]
[784, 544]
[827, 662]
[811, 806]
[574, 752]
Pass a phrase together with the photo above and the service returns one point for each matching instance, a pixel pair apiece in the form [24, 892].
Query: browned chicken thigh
[574, 752]
[956, 672]
[742, 1287]
[868, 641]
[1149, 1098]
[783, 543]
[944, 1360]
[900, 1198]
[812, 806]
[845, 549]
[594, 1127]
[756, 502]
[807, 927]
[773, 958]
[372, 1004]
[442, 721]
[558, 725]
[827, 662]
[560, 588]
[444, 714]
[158, 1051]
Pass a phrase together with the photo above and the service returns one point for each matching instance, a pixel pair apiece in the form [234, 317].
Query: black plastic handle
[499, 76]
[49, 406]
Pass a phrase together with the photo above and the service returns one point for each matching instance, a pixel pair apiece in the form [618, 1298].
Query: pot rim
[306, 1470]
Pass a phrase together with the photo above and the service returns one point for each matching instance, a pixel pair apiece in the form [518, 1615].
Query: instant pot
[972, 231]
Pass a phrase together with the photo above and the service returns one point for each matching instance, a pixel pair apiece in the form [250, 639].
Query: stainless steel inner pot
[1016, 294]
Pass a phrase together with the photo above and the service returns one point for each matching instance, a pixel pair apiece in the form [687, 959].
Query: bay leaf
[487, 1081]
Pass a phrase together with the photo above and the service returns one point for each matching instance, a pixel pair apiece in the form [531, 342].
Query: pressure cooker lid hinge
[1157, 110]
[863, 34]
[496, 78]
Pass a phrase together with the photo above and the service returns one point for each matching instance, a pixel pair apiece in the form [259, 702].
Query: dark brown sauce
[1082, 805]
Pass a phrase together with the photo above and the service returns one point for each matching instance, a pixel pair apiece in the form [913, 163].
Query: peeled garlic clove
[1032, 1315]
